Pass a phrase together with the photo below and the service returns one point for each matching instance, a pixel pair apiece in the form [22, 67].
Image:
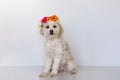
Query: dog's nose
[51, 32]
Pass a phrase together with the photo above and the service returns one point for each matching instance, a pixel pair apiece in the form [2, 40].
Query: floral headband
[50, 18]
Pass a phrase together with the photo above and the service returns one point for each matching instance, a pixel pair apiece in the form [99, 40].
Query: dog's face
[52, 29]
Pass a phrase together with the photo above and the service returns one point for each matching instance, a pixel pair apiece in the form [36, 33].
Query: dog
[57, 50]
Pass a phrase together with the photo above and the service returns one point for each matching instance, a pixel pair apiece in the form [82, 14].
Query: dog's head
[51, 29]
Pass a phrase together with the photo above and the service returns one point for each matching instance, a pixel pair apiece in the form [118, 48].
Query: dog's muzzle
[51, 32]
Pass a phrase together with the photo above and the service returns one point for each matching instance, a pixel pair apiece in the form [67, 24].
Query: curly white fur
[58, 54]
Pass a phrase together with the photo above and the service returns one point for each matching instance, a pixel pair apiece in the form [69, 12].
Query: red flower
[44, 20]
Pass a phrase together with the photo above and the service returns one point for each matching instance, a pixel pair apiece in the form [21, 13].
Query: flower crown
[50, 18]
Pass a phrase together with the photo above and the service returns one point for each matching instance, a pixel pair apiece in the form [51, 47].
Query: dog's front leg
[55, 66]
[48, 64]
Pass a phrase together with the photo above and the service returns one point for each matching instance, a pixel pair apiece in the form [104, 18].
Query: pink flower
[44, 20]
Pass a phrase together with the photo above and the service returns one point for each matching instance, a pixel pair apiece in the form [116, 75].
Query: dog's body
[58, 54]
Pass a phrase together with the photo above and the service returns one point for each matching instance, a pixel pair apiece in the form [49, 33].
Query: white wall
[91, 26]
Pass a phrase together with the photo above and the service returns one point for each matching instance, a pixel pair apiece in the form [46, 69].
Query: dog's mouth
[51, 33]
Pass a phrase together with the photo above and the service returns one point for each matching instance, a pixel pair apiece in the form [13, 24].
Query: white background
[92, 28]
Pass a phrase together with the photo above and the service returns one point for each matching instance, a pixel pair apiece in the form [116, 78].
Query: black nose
[51, 32]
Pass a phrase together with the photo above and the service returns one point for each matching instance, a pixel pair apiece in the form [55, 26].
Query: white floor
[84, 73]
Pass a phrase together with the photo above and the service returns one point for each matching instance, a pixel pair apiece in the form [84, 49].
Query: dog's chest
[53, 45]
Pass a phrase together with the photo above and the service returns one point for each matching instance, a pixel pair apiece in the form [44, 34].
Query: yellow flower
[54, 18]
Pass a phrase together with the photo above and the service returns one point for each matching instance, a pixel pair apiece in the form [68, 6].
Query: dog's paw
[53, 74]
[44, 74]
[73, 71]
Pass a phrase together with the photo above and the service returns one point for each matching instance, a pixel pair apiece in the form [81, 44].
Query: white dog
[57, 50]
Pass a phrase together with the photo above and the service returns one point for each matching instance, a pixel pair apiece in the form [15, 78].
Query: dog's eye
[54, 26]
[47, 27]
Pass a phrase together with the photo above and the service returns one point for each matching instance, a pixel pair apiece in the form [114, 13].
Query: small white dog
[58, 54]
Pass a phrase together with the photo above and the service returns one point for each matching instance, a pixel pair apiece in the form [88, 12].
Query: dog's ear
[41, 29]
[41, 32]
[61, 29]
